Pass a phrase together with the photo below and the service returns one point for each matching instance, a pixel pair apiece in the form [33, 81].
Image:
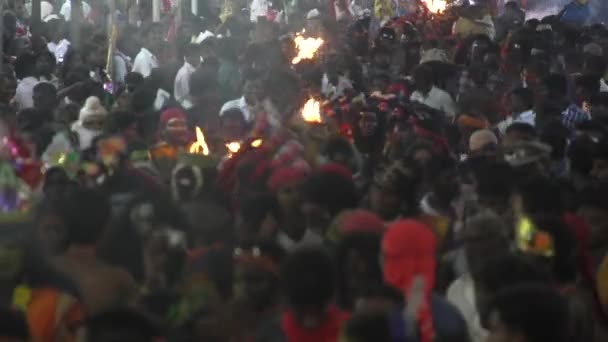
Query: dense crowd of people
[421, 176]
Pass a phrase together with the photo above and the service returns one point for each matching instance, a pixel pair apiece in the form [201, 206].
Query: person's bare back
[101, 285]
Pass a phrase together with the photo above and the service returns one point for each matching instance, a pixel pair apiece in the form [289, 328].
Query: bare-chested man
[102, 285]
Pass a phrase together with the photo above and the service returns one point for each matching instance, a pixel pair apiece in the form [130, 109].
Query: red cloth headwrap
[170, 114]
[337, 169]
[360, 221]
[285, 176]
[408, 248]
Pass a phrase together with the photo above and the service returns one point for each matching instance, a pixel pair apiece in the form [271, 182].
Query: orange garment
[53, 316]
[471, 122]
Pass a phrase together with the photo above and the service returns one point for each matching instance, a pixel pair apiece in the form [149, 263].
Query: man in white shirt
[181, 88]
[484, 234]
[252, 100]
[46, 9]
[145, 60]
[258, 8]
[522, 109]
[66, 10]
[24, 97]
[428, 94]
[25, 68]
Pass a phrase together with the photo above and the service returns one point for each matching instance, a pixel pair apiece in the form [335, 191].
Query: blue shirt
[576, 14]
[573, 115]
[448, 323]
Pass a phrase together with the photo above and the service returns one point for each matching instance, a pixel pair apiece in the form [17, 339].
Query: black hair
[338, 145]
[200, 83]
[589, 83]
[122, 325]
[227, 49]
[526, 95]
[86, 221]
[25, 65]
[209, 223]
[308, 278]
[424, 71]
[537, 312]
[254, 209]
[524, 128]
[574, 59]
[134, 78]
[192, 49]
[13, 325]
[601, 150]
[564, 264]
[368, 327]
[331, 191]
[494, 179]
[252, 75]
[555, 135]
[541, 195]
[557, 85]
[503, 271]
[478, 74]
[49, 56]
[367, 248]
[31, 119]
[596, 65]
[595, 196]
[143, 97]
[599, 99]
[120, 120]
[46, 89]
[512, 5]
[580, 154]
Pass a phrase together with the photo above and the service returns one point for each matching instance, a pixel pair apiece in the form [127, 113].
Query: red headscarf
[285, 176]
[360, 221]
[171, 114]
[408, 248]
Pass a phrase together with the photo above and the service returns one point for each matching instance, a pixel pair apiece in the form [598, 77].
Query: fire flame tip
[200, 145]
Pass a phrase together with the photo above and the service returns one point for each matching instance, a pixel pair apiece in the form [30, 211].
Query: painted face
[177, 131]
[94, 122]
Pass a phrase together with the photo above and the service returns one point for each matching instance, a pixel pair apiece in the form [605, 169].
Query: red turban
[171, 114]
[284, 176]
[408, 248]
[360, 221]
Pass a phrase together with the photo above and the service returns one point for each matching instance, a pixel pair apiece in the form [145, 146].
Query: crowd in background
[161, 179]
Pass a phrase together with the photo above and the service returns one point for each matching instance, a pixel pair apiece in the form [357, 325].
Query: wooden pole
[35, 17]
[75, 20]
[194, 7]
[111, 39]
[2, 35]
[156, 10]
[179, 14]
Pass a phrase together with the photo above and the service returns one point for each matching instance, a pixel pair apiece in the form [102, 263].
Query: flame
[257, 143]
[200, 145]
[312, 111]
[436, 6]
[233, 147]
[307, 48]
